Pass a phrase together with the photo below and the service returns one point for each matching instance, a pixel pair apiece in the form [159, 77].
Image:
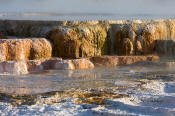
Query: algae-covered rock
[40, 48]
[141, 36]
[24, 49]
[123, 39]
[96, 98]
[74, 39]
[149, 37]
[79, 41]
[127, 47]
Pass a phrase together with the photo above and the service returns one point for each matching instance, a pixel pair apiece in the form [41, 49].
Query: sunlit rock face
[49, 63]
[74, 39]
[58, 63]
[13, 67]
[74, 64]
[79, 41]
[35, 65]
[105, 60]
[82, 64]
[139, 38]
[40, 49]
[120, 60]
[24, 49]
[64, 64]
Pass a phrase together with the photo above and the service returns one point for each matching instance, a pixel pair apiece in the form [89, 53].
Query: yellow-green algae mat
[96, 97]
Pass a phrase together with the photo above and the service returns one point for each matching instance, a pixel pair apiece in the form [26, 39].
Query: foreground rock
[35, 65]
[120, 60]
[58, 63]
[24, 49]
[79, 41]
[31, 66]
[13, 67]
[74, 64]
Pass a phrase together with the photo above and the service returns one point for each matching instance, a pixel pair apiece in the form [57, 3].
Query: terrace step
[31, 66]
[24, 49]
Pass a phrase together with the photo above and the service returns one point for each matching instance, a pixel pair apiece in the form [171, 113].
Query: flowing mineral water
[22, 57]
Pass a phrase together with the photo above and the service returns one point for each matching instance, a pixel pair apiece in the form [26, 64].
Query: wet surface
[131, 90]
[60, 80]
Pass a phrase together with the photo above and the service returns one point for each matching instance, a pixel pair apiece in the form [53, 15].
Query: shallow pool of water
[141, 91]
[60, 80]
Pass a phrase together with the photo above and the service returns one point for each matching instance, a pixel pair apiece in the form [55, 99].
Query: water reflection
[60, 80]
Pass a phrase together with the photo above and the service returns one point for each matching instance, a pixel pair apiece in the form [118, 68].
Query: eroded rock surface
[11, 67]
[32, 66]
[79, 41]
[74, 64]
[24, 49]
[35, 65]
[120, 60]
[58, 63]
[74, 39]
[139, 38]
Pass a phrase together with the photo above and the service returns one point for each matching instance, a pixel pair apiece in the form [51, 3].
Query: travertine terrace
[103, 40]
